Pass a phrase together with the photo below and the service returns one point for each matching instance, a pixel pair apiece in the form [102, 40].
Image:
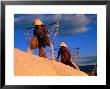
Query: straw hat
[38, 22]
[63, 44]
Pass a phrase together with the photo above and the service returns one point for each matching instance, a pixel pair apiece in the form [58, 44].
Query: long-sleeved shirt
[65, 54]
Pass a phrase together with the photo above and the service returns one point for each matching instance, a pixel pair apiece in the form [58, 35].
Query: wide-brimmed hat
[38, 22]
[63, 44]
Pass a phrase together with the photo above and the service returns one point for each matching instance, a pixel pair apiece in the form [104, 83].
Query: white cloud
[80, 29]
[81, 20]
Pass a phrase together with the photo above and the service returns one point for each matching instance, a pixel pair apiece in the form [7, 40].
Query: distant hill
[87, 68]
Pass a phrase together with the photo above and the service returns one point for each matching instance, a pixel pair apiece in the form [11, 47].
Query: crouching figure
[65, 54]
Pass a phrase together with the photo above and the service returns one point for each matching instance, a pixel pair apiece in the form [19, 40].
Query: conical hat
[63, 44]
[38, 22]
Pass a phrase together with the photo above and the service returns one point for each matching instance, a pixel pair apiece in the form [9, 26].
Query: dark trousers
[68, 62]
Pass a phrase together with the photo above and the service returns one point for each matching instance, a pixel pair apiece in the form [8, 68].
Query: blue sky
[76, 30]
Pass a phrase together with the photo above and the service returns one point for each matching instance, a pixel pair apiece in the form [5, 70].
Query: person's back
[65, 53]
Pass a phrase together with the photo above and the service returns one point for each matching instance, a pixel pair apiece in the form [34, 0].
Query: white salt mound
[28, 64]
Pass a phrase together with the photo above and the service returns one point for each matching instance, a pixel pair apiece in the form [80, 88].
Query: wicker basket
[34, 43]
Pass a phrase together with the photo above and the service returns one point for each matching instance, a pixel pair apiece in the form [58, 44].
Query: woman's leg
[42, 52]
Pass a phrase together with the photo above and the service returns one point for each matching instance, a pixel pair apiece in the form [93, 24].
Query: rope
[55, 30]
[27, 35]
